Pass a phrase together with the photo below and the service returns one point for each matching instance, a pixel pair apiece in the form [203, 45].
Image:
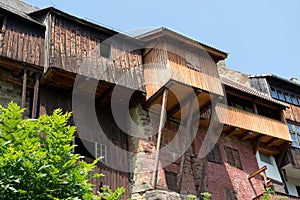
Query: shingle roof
[251, 91]
[19, 8]
[19, 5]
[276, 77]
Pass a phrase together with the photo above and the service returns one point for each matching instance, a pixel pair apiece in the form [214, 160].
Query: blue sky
[260, 36]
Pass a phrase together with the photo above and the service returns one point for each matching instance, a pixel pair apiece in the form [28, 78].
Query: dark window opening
[231, 195]
[1, 22]
[105, 49]
[240, 103]
[267, 112]
[233, 157]
[171, 179]
[298, 190]
[215, 155]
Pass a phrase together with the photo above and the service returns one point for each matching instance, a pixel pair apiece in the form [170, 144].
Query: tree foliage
[37, 161]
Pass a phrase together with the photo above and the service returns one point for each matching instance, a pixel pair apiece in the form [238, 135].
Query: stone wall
[232, 74]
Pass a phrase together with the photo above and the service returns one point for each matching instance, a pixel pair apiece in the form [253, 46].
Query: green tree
[37, 162]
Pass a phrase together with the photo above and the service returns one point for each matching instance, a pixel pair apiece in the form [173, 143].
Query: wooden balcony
[268, 134]
[277, 196]
[292, 157]
[291, 162]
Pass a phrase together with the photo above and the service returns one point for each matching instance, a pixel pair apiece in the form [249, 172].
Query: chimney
[295, 80]
[222, 64]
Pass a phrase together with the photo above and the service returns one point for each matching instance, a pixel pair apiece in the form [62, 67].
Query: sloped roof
[19, 8]
[230, 83]
[275, 77]
[19, 5]
[166, 31]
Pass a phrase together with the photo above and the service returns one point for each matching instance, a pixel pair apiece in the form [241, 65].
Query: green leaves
[36, 159]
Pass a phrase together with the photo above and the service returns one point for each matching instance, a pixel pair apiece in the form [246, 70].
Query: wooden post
[162, 117]
[187, 134]
[24, 86]
[35, 96]
[255, 108]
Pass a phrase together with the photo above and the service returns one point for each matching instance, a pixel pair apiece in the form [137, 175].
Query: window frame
[233, 157]
[284, 95]
[215, 155]
[294, 131]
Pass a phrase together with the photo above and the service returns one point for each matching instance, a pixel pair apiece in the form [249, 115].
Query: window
[171, 179]
[105, 49]
[294, 99]
[90, 149]
[231, 195]
[295, 134]
[215, 155]
[274, 93]
[286, 96]
[101, 152]
[266, 159]
[280, 95]
[233, 157]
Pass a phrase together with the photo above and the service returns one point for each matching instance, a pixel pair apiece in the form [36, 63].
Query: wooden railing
[252, 122]
[292, 157]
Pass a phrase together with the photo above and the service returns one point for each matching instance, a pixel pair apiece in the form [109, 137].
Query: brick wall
[222, 177]
[199, 174]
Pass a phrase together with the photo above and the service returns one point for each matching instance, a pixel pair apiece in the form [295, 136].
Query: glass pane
[294, 140]
[274, 93]
[290, 127]
[294, 99]
[297, 129]
[280, 95]
[287, 97]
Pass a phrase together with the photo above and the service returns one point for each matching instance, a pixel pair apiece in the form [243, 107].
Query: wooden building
[286, 91]
[154, 106]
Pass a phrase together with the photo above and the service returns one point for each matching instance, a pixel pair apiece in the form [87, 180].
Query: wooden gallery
[167, 115]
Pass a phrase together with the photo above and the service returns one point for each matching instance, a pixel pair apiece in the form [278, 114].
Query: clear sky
[261, 36]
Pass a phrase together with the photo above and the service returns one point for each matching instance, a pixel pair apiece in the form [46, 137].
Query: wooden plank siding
[22, 40]
[75, 47]
[166, 61]
[52, 98]
[252, 122]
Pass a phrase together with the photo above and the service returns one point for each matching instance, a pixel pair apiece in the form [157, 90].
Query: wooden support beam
[24, 86]
[264, 168]
[256, 143]
[35, 96]
[154, 97]
[250, 135]
[162, 119]
[272, 141]
[101, 99]
[186, 142]
[255, 108]
[230, 132]
[283, 151]
[181, 104]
